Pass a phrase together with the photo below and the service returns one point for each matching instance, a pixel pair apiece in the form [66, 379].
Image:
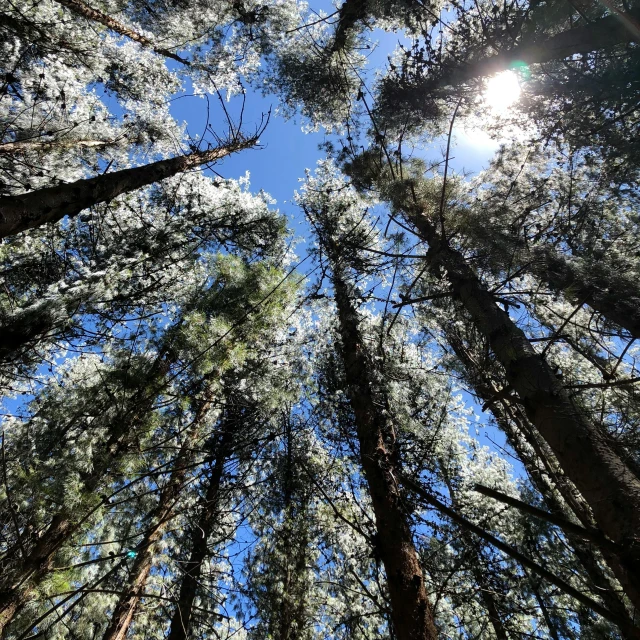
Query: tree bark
[610, 488]
[491, 606]
[30, 210]
[604, 33]
[182, 617]
[81, 9]
[557, 491]
[22, 330]
[508, 550]
[611, 294]
[20, 146]
[411, 612]
[160, 518]
[478, 568]
[351, 12]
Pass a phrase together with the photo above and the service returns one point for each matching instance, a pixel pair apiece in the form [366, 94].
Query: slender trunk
[508, 550]
[410, 609]
[610, 488]
[160, 519]
[30, 210]
[519, 431]
[478, 568]
[289, 624]
[20, 146]
[610, 293]
[81, 9]
[17, 584]
[492, 608]
[604, 33]
[22, 330]
[182, 617]
[553, 631]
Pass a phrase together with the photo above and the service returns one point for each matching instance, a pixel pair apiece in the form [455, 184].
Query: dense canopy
[407, 410]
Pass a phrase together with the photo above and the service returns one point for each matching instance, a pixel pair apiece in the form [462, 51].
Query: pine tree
[411, 611]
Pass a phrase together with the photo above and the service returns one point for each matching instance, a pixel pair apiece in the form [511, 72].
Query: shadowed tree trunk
[549, 482]
[610, 488]
[17, 584]
[20, 146]
[30, 210]
[351, 12]
[192, 568]
[610, 293]
[604, 33]
[410, 608]
[478, 567]
[160, 518]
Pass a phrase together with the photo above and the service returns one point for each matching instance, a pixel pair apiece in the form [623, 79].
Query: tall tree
[410, 608]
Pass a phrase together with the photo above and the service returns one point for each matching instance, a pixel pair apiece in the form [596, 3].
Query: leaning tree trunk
[351, 12]
[478, 567]
[610, 488]
[604, 33]
[161, 516]
[38, 146]
[84, 10]
[182, 618]
[17, 585]
[411, 612]
[610, 293]
[519, 431]
[22, 330]
[30, 210]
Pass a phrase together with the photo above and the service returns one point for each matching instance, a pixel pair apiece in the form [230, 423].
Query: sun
[502, 91]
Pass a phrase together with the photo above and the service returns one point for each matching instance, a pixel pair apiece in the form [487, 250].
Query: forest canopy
[406, 408]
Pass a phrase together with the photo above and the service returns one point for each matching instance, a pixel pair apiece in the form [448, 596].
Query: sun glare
[502, 91]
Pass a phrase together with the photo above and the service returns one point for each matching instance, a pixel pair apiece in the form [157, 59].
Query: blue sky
[286, 152]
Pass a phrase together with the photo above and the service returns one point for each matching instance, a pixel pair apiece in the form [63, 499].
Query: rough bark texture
[610, 488]
[492, 608]
[80, 8]
[21, 331]
[30, 210]
[182, 617]
[557, 491]
[478, 568]
[351, 12]
[160, 519]
[410, 609]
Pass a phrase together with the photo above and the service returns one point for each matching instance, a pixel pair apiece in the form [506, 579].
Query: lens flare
[502, 91]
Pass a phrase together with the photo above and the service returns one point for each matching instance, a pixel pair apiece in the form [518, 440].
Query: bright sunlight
[502, 91]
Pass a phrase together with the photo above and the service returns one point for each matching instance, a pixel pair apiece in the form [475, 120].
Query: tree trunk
[30, 210]
[81, 9]
[351, 12]
[17, 584]
[410, 609]
[613, 295]
[160, 518]
[604, 33]
[610, 488]
[492, 608]
[182, 617]
[21, 331]
[478, 568]
[518, 430]
[20, 146]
